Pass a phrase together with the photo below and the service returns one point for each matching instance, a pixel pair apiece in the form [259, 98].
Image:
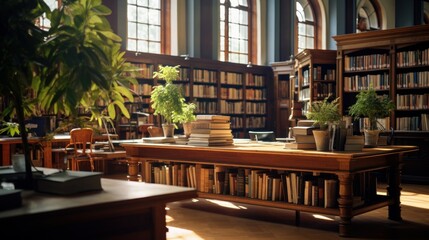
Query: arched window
[305, 29]
[426, 11]
[144, 25]
[42, 21]
[235, 18]
[368, 15]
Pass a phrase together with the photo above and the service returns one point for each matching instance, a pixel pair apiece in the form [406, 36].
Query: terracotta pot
[322, 139]
[187, 129]
[168, 130]
[371, 137]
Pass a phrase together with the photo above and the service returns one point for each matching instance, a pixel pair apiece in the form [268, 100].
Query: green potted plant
[372, 106]
[166, 100]
[186, 118]
[57, 71]
[325, 114]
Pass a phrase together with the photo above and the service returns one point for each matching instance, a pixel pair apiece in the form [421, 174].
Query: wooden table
[345, 165]
[122, 210]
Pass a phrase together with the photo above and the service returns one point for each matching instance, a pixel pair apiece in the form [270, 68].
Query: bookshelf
[216, 87]
[316, 76]
[395, 62]
[284, 82]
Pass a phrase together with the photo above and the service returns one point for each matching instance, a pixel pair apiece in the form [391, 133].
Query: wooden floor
[210, 219]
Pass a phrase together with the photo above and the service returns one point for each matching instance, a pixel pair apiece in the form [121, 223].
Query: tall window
[42, 21]
[234, 31]
[368, 16]
[305, 26]
[144, 26]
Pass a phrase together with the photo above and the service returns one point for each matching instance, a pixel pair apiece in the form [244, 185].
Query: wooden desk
[123, 210]
[345, 165]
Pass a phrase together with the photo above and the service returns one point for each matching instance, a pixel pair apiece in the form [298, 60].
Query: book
[355, 140]
[330, 193]
[10, 199]
[207, 124]
[211, 131]
[69, 182]
[304, 139]
[303, 130]
[220, 118]
[159, 140]
[305, 123]
[295, 145]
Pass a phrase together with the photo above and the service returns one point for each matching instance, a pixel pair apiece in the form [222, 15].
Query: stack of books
[303, 134]
[354, 143]
[211, 130]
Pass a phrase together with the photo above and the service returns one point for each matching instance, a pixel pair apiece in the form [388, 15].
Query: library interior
[229, 119]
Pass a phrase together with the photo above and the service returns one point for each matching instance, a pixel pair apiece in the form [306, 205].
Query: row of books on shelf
[204, 91]
[206, 107]
[256, 108]
[255, 80]
[259, 94]
[412, 101]
[415, 123]
[412, 79]
[144, 70]
[142, 89]
[231, 78]
[227, 107]
[204, 76]
[323, 90]
[326, 75]
[231, 93]
[305, 188]
[255, 122]
[366, 62]
[359, 82]
[418, 57]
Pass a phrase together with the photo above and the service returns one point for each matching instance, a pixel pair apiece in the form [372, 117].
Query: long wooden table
[343, 164]
[122, 210]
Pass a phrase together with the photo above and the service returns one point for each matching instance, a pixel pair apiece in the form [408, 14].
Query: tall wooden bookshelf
[396, 63]
[284, 81]
[316, 76]
[237, 90]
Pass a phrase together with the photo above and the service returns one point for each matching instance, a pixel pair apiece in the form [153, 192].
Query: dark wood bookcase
[316, 76]
[396, 63]
[237, 90]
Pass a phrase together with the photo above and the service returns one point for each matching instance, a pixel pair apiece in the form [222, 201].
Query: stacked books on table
[303, 134]
[354, 143]
[211, 130]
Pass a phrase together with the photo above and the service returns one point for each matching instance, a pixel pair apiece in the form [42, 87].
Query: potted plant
[186, 118]
[166, 100]
[325, 114]
[372, 106]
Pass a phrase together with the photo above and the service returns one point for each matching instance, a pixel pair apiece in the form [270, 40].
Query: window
[305, 25]
[144, 26]
[426, 12]
[367, 17]
[43, 22]
[234, 31]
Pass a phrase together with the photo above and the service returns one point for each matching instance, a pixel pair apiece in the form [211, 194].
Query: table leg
[159, 222]
[394, 188]
[133, 169]
[345, 203]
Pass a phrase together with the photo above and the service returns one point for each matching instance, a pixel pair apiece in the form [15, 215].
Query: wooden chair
[155, 131]
[81, 145]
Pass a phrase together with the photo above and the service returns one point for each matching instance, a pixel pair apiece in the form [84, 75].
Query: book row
[256, 80]
[415, 123]
[230, 107]
[305, 188]
[366, 62]
[412, 101]
[358, 82]
[328, 74]
[205, 91]
[206, 107]
[231, 78]
[257, 94]
[255, 108]
[323, 90]
[204, 76]
[255, 122]
[419, 57]
[412, 79]
[231, 93]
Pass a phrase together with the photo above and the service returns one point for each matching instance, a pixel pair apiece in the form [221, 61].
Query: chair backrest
[155, 131]
[81, 138]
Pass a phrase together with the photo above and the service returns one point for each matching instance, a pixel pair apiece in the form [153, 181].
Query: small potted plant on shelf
[167, 99]
[186, 118]
[325, 114]
[372, 106]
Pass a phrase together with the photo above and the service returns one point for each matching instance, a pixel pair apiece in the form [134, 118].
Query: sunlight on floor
[411, 199]
[322, 217]
[180, 233]
[224, 204]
